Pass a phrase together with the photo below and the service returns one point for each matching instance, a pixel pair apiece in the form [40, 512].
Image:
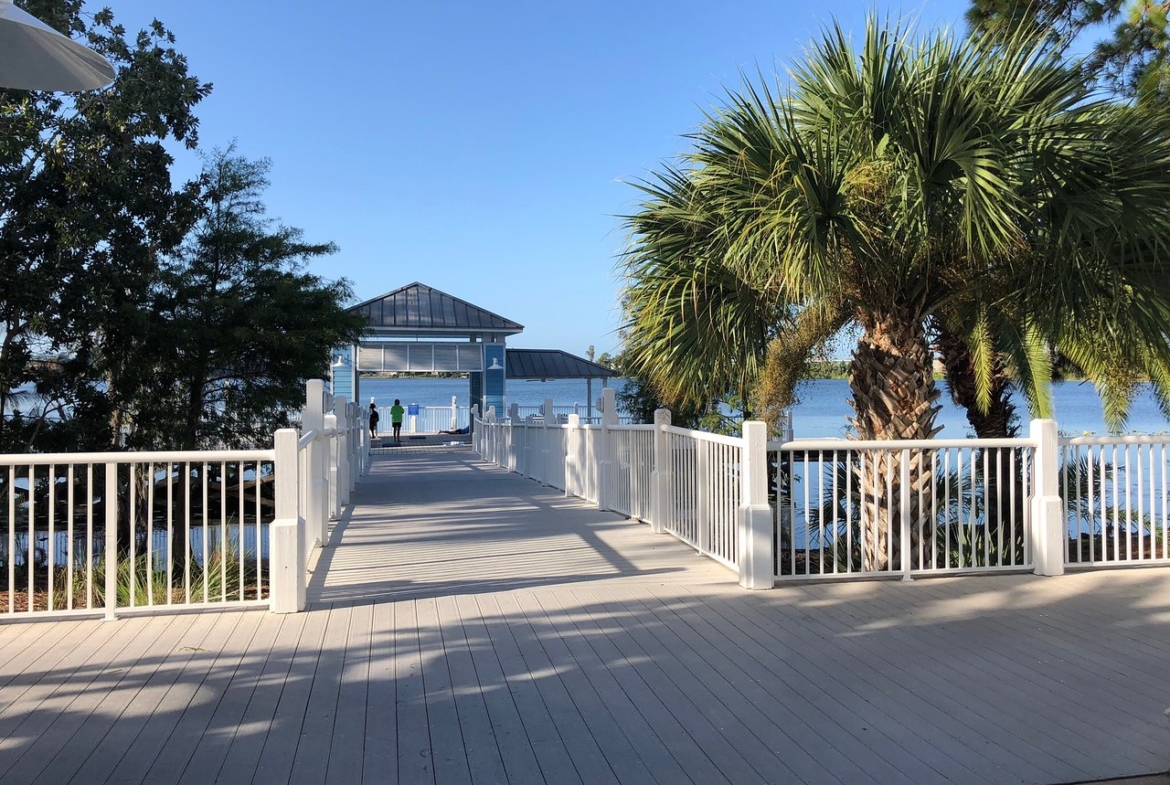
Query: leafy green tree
[86, 211]
[236, 324]
[1132, 58]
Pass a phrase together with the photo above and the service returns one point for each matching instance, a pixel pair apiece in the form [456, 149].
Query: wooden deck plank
[693, 738]
[49, 710]
[591, 765]
[91, 718]
[414, 741]
[1040, 692]
[965, 714]
[311, 762]
[285, 733]
[163, 721]
[981, 656]
[1072, 645]
[380, 748]
[251, 736]
[686, 661]
[835, 690]
[347, 750]
[544, 737]
[448, 753]
[624, 760]
[29, 697]
[479, 740]
[516, 753]
[628, 723]
[913, 658]
[324, 668]
[786, 704]
[235, 691]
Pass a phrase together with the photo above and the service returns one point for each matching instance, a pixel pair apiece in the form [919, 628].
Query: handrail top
[308, 438]
[159, 456]
[704, 436]
[844, 445]
[1135, 438]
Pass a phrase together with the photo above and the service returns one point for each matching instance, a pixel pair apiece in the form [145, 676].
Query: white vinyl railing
[428, 419]
[111, 533]
[831, 509]
[1116, 494]
[704, 471]
[102, 532]
[913, 508]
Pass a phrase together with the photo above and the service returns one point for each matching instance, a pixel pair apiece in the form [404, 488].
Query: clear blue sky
[484, 149]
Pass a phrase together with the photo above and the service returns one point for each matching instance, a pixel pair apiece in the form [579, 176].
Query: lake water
[821, 412]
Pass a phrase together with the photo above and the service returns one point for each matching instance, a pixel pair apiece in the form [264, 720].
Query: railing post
[351, 469]
[454, 413]
[1047, 525]
[757, 562]
[344, 414]
[476, 440]
[606, 466]
[572, 456]
[905, 549]
[702, 494]
[345, 473]
[545, 442]
[660, 499]
[363, 425]
[514, 412]
[111, 505]
[317, 493]
[334, 470]
[357, 429]
[287, 535]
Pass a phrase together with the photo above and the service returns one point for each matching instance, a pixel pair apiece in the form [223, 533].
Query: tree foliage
[87, 209]
[236, 324]
[134, 312]
[1131, 56]
[914, 186]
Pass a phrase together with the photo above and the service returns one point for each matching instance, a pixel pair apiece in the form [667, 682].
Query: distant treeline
[829, 369]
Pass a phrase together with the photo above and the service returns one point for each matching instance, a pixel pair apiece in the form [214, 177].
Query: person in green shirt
[396, 412]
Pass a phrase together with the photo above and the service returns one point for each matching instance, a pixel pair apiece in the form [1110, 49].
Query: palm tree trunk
[894, 398]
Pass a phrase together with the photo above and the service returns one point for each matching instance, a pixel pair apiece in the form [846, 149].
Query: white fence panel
[1116, 499]
[113, 531]
[705, 470]
[634, 447]
[853, 508]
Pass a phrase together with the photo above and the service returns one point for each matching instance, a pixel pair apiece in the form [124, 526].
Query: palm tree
[923, 182]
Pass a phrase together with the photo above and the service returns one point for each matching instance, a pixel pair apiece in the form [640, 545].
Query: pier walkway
[469, 626]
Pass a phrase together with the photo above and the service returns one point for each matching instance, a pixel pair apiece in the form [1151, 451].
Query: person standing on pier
[374, 421]
[396, 412]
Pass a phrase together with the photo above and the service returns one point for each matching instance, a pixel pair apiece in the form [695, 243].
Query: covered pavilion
[420, 329]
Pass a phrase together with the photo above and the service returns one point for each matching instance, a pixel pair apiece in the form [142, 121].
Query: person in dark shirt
[373, 421]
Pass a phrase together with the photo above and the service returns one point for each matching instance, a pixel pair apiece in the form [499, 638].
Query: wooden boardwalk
[469, 626]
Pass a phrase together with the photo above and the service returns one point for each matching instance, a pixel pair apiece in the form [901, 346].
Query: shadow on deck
[470, 626]
[433, 521]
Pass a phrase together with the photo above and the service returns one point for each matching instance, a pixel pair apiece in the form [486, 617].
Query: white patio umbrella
[34, 56]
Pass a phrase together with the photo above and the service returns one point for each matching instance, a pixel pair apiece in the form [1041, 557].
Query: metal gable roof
[552, 364]
[419, 307]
